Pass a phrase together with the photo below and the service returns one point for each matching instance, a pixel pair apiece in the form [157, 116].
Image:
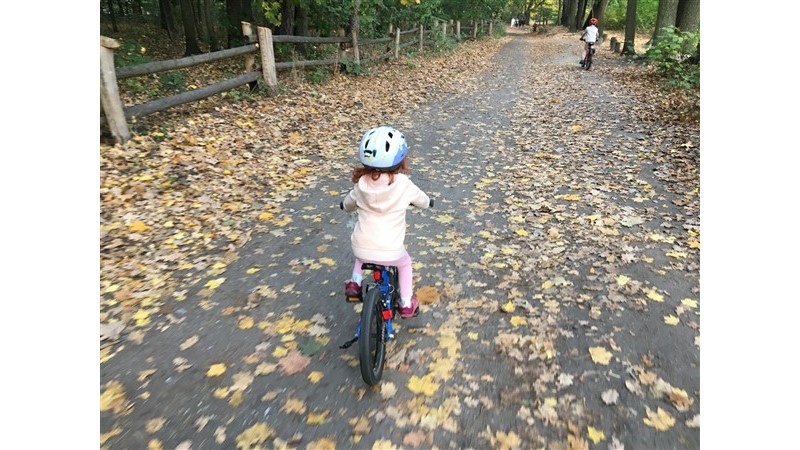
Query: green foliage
[646, 13]
[351, 68]
[172, 81]
[318, 76]
[674, 57]
[498, 31]
[272, 12]
[131, 54]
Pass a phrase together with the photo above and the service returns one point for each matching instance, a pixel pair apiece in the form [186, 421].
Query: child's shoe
[412, 310]
[583, 62]
[352, 292]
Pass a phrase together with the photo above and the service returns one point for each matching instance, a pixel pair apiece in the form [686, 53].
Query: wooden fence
[259, 42]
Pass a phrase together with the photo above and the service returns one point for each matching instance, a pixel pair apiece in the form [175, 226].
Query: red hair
[360, 171]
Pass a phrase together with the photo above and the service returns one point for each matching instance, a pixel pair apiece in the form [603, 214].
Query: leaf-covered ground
[559, 271]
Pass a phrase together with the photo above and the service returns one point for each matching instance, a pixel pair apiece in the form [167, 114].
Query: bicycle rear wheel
[372, 342]
[588, 58]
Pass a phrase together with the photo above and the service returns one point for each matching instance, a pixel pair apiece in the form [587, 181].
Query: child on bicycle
[590, 37]
[383, 192]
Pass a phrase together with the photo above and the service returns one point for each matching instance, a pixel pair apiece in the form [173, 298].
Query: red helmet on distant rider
[593, 21]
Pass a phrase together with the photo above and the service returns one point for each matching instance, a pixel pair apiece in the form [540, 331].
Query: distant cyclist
[590, 37]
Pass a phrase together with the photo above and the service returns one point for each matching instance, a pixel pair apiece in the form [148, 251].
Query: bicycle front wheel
[589, 58]
[372, 342]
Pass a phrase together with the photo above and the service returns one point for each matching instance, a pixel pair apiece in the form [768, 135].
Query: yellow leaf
[547, 284]
[444, 218]
[671, 320]
[600, 355]
[655, 296]
[622, 280]
[221, 392]
[317, 419]
[517, 321]
[327, 261]
[315, 376]
[253, 436]
[113, 397]
[236, 399]
[106, 436]
[424, 385]
[694, 244]
[508, 307]
[145, 373]
[138, 226]
[572, 197]
[550, 401]
[521, 232]
[661, 420]
[280, 352]
[154, 444]
[576, 127]
[322, 444]
[676, 254]
[246, 323]
[473, 336]
[216, 370]
[252, 270]
[213, 284]
[596, 435]
[689, 303]
[266, 216]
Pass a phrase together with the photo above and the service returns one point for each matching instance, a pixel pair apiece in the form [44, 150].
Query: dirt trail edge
[559, 276]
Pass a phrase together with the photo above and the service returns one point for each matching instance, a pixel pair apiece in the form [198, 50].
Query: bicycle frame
[383, 283]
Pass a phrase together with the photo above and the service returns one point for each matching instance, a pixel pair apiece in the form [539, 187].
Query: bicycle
[381, 299]
[587, 63]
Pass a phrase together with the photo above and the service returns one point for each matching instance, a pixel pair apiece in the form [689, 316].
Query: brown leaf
[294, 362]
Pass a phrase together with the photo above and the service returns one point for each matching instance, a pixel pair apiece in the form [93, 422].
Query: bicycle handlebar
[341, 204]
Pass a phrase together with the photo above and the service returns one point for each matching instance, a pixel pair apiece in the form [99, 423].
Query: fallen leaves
[427, 295]
[660, 420]
[600, 355]
[113, 398]
[216, 370]
[294, 362]
[252, 437]
[424, 385]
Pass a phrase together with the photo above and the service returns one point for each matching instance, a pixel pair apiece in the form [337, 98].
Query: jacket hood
[380, 195]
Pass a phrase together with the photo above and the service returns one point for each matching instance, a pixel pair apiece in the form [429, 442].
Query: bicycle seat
[373, 267]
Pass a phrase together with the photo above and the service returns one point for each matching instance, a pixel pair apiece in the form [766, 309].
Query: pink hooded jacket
[380, 232]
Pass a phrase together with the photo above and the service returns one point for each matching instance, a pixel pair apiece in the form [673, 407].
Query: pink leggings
[404, 273]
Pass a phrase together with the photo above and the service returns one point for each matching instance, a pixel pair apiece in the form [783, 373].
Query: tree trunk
[573, 12]
[192, 47]
[113, 16]
[233, 9]
[200, 20]
[688, 16]
[667, 16]
[208, 8]
[580, 23]
[565, 12]
[167, 17]
[599, 11]
[630, 29]
[287, 18]
[354, 27]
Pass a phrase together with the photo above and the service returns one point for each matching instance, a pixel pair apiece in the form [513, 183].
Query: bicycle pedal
[353, 299]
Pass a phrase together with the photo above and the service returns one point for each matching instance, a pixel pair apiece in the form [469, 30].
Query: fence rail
[260, 42]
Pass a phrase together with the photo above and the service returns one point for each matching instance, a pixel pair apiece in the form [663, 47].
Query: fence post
[444, 28]
[268, 59]
[491, 22]
[474, 29]
[249, 59]
[396, 42]
[109, 92]
[421, 37]
[458, 29]
[391, 29]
